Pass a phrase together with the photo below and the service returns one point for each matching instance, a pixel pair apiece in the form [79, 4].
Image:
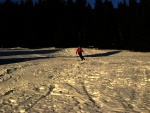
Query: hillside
[54, 80]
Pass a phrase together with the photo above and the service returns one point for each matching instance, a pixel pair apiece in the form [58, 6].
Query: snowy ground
[52, 80]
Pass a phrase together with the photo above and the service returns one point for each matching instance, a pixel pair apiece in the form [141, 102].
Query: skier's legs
[81, 56]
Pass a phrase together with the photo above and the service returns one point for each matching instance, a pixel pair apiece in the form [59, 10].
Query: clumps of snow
[107, 81]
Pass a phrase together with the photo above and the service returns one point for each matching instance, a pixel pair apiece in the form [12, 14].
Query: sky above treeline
[92, 2]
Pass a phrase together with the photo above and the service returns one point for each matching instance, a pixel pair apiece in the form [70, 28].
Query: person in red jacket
[79, 52]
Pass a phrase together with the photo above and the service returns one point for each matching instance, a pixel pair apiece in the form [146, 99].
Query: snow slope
[54, 80]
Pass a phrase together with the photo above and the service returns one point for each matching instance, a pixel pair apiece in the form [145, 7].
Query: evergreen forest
[69, 23]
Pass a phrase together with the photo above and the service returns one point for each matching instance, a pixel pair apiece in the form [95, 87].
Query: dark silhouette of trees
[123, 30]
[69, 23]
[134, 25]
[143, 26]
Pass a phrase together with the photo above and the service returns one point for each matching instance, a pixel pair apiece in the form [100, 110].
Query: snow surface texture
[53, 80]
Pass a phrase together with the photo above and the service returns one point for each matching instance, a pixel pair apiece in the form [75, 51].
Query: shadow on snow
[103, 54]
[25, 52]
[13, 53]
[39, 52]
[16, 60]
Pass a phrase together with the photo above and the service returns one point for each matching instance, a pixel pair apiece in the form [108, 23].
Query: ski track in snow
[53, 80]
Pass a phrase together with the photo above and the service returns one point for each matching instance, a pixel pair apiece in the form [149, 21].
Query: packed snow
[55, 80]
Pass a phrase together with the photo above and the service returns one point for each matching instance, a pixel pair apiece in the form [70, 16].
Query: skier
[79, 51]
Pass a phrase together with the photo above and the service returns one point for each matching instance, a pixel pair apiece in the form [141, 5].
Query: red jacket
[79, 50]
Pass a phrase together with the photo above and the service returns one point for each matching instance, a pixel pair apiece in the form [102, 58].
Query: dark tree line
[69, 23]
